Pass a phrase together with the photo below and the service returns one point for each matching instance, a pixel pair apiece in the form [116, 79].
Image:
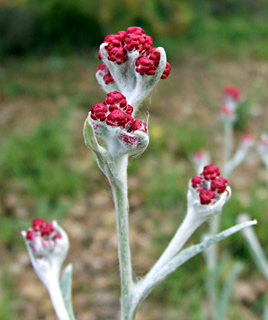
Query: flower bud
[207, 193]
[47, 245]
[114, 123]
[231, 99]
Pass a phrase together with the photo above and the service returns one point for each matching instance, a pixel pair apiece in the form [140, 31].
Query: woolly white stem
[119, 190]
[228, 140]
[145, 285]
[57, 300]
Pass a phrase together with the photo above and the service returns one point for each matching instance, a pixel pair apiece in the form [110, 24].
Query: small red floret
[135, 30]
[117, 54]
[145, 66]
[117, 118]
[220, 184]
[139, 125]
[211, 172]
[116, 98]
[99, 112]
[196, 181]
[166, 71]
[113, 40]
[30, 235]
[206, 196]
[37, 224]
[154, 55]
[57, 236]
[46, 229]
[108, 79]
[129, 109]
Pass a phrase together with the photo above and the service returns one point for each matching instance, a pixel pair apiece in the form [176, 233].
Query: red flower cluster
[209, 184]
[134, 39]
[232, 92]
[42, 229]
[117, 113]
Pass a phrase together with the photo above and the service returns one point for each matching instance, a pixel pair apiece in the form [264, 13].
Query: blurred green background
[48, 60]
[64, 26]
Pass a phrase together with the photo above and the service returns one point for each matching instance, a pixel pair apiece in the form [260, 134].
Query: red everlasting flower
[233, 92]
[117, 54]
[209, 185]
[211, 172]
[117, 118]
[206, 196]
[166, 71]
[145, 66]
[196, 181]
[99, 112]
[121, 44]
[37, 224]
[219, 184]
[46, 229]
[116, 99]
[29, 235]
[42, 230]
[139, 125]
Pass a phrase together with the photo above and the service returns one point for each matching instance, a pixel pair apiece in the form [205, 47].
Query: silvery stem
[57, 300]
[228, 140]
[119, 190]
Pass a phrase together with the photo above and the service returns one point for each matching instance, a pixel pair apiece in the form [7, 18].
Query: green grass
[9, 298]
[39, 163]
[236, 38]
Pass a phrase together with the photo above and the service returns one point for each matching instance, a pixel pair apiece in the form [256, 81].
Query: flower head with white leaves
[47, 245]
[231, 99]
[113, 121]
[131, 65]
[208, 192]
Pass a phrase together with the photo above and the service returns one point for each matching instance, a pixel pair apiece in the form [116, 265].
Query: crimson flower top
[115, 112]
[209, 185]
[119, 46]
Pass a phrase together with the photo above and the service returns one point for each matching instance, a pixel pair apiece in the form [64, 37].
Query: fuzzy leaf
[188, 253]
[92, 143]
[146, 285]
[66, 290]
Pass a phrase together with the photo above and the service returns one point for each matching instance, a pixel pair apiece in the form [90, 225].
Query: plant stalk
[57, 300]
[120, 197]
